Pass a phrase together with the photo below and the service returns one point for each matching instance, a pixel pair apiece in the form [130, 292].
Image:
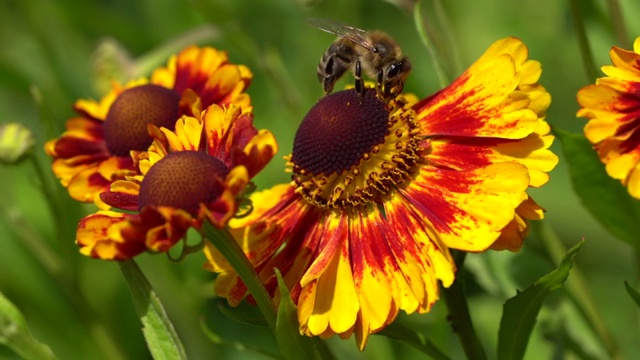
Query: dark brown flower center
[183, 180]
[338, 131]
[351, 152]
[125, 128]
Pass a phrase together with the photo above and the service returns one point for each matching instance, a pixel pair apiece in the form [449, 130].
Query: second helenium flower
[96, 147]
[195, 173]
[612, 106]
[382, 190]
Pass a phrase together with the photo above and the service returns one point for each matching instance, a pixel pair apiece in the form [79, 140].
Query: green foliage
[15, 334]
[520, 312]
[633, 293]
[605, 198]
[414, 339]
[162, 340]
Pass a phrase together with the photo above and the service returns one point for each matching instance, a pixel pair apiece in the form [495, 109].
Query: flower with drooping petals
[612, 106]
[383, 189]
[96, 147]
[197, 172]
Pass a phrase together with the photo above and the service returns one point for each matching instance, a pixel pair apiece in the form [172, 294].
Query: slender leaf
[243, 313]
[162, 340]
[292, 344]
[520, 312]
[634, 294]
[605, 198]
[240, 346]
[15, 334]
[414, 339]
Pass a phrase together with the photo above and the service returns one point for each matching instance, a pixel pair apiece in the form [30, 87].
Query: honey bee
[355, 49]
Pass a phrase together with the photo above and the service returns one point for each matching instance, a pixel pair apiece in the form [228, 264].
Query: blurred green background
[49, 57]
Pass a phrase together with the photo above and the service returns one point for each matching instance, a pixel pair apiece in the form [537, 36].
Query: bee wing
[336, 27]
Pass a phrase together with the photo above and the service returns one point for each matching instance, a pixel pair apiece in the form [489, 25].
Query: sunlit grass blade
[292, 344]
[162, 340]
[633, 293]
[414, 339]
[15, 334]
[520, 312]
[605, 198]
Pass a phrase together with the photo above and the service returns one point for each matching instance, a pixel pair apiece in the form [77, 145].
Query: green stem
[618, 23]
[51, 198]
[583, 42]
[459, 315]
[421, 23]
[577, 287]
[229, 248]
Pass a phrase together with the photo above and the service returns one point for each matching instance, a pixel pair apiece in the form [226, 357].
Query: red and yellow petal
[470, 153]
[251, 232]
[482, 102]
[468, 209]
[606, 108]
[329, 301]
[259, 151]
[222, 209]
[186, 136]
[86, 184]
[208, 73]
[513, 235]
[99, 236]
[227, 129]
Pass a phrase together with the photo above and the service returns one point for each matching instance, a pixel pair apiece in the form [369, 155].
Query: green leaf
[243, 313]
[162, 340]
[15, 334]
[216, 339]
[634, 294]
[604, 197]
[292, 344]
[520, 312]
[413, 338]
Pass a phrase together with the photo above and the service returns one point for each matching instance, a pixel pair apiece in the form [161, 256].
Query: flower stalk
[229, 248]
[459, 315]
[583, 42]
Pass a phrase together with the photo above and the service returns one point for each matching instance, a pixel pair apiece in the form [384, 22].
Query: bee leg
[327, 76]
[359, 82]
[331, 71]
[379, 87]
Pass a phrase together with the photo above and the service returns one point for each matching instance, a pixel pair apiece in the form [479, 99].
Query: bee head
[399, 69]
